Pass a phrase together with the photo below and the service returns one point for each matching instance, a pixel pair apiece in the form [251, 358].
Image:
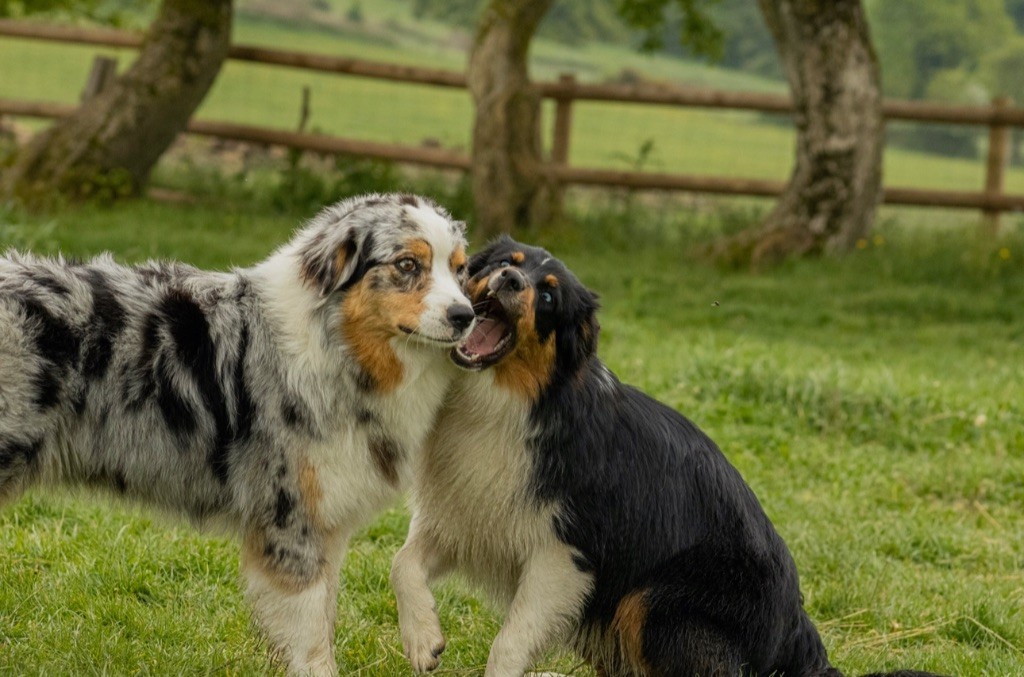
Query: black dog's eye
[407, 265]
[546, 297]
[505, 263]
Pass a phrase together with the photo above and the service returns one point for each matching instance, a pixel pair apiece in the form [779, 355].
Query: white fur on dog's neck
[314, 364]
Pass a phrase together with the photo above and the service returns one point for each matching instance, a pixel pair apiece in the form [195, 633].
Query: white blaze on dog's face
[393, 264]
[444, 263]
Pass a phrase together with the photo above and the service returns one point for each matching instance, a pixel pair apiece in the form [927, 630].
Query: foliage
[661, 23]
[1003, 68]
[890, 466]
[17, 231]
[696, 31]
[297, 184]
[1015, 8]
[954, 85]
[568, 21]
[109, 12]
[355, 13]
[747, 44]
[919, 39]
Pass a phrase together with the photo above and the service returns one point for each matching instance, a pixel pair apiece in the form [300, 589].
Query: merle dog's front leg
[293, 589]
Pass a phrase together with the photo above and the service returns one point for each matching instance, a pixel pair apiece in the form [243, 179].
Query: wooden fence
[998, 117]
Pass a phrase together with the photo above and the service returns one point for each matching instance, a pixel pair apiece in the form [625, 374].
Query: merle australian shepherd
[595, 516]
[283, 402]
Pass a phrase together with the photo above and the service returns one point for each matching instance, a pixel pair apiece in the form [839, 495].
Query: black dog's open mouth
[491, 339]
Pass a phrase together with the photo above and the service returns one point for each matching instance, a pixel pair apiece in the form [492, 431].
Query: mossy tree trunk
[509, 191]
[833, 72]
[110, 144]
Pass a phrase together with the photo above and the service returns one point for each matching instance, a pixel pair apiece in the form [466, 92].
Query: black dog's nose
[460, 316]
[511, 278]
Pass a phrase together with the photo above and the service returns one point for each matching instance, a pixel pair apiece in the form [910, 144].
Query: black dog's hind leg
[691, 648]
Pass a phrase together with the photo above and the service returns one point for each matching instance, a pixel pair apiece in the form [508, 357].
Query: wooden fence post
[563, 123]
[560, 144]
[995, 169]
[304, 109]
[104, 70]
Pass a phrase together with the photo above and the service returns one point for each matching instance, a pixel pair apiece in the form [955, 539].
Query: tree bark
[110, 144]
[506, 177]
[833, 72]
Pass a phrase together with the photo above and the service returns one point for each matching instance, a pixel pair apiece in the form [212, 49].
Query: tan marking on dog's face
[475, 289]
[310, 490]
[628, 629]
[378, 307]
[457, 260]
[421, 251]
[518, 257]
[551, 281]
[527, 369]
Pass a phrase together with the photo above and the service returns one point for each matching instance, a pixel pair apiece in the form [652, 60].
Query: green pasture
[604, 135]
[874, 404]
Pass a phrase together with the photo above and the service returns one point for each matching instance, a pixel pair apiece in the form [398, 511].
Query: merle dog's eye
[407, 265]
[505, 263]
[546, 297]
[461, 270]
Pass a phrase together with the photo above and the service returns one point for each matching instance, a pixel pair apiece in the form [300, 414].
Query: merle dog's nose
[460, 316]
[509, 277]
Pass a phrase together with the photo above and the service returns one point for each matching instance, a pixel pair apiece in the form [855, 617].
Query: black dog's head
[534, 318]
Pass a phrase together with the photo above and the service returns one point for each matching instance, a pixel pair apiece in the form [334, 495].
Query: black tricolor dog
[595, 515]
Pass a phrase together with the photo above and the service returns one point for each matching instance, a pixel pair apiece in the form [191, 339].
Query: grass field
[873, 403]
[604, 135]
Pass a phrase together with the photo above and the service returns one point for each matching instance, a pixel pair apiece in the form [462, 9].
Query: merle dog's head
[395, 263]
[535, 319]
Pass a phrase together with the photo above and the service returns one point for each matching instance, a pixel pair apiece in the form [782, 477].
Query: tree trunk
[110, 144]
[507, 183]
[836, 185]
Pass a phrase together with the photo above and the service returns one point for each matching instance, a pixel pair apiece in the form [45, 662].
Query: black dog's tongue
[484, 338]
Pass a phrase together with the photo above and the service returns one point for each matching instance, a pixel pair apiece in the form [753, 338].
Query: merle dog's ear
[336, 257]
[479, 260]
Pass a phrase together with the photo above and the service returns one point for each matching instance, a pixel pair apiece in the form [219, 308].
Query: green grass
[604, 135]
[874, 403]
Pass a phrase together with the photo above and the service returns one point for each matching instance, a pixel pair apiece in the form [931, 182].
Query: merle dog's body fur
[277, 402]
[595, 515]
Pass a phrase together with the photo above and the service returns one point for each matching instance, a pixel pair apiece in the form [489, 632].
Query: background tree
[830, 201]
[506, 177]
[825, 51]
[113, 140]
[508, 185]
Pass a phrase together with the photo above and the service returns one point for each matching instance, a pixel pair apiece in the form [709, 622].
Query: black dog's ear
[336, 254]
[479, 260]
[577, 340]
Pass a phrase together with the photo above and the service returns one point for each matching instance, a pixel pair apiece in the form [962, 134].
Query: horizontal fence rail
[998, 117]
